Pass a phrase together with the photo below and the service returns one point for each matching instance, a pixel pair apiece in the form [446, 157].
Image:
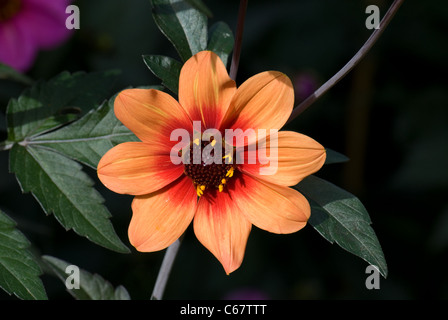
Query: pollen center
[8, 8]
[209, 168]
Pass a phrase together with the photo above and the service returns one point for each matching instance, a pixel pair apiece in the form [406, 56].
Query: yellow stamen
[230, 173]
[223, 181]
[220, 187]
[200, 190]
[213, 143]
[228, 156]
[196, 141]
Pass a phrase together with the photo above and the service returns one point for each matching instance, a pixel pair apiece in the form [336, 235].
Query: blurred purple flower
[27, 26]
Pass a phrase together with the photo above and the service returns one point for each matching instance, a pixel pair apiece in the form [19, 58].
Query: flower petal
[222, 228]
[271, 207]
[18, 49]
[160, 218]
[137, 168]
[151, 114]
[296, 156]
[46, 22]
[264, 101]
[205, 89]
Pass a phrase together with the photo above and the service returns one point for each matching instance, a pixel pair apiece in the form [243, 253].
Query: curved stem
[351, 64]
[165, 270]
[238, 39]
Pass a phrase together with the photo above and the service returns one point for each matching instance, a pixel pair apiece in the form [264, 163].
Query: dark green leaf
[182, 24]
[89, 138]
[335, 157]
[91, 286]
[48, 105]
[6, 72]
[340, 217]
[221, 40]
[198, 4]
[19, 271]
[166, 69]
[63, 189]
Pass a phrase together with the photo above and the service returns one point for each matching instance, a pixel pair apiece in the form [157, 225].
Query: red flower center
[9, 8]
[207, 169]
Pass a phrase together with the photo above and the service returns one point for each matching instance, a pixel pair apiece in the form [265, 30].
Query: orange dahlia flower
[223, 199]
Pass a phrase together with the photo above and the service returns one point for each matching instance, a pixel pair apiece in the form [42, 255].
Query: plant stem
[165, 269]
[351, 64]
[238, 39]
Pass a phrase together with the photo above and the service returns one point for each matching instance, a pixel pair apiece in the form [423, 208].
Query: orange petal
[137, 168]
[160, 218]
[264, 101]
[222, 228]
[205, 89]
[297, 157]
[151, 114]
[271, 207]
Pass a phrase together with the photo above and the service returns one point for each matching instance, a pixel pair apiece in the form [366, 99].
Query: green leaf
[48, 105]
[221, 41]
[19, 271]
[166, 69]
[183, 25]
[340, 217]
[335, 157]
[198, 4]
[6, 72]
[89, 138]
[91, 286]
[56, 181]
[64, 190]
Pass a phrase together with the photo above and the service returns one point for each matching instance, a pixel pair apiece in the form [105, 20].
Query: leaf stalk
[165, 270]
[351, 64]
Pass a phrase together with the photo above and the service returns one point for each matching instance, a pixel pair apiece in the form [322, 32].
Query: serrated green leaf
[166, 69]
[340, 217]
[221, 41]
[47, 105]
[89, 138]
[64, 190]
[19, 271]
[91, 286]
[183, 25]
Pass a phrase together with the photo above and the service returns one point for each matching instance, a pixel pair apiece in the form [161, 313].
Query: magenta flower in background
[27, 26]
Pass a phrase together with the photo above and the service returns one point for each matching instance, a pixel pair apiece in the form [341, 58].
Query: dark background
[389, 116]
